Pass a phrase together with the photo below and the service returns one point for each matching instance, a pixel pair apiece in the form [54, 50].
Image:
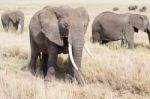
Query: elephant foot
[32, 70]
[50, 74]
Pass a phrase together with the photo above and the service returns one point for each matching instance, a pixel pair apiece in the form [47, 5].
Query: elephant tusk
[88, 51]
[71, 57]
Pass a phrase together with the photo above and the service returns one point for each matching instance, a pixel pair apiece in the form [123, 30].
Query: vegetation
[113, 73]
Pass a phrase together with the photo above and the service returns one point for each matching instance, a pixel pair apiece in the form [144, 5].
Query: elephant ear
[84, 16]
[137, 21]
[13, 17]
[49, 25]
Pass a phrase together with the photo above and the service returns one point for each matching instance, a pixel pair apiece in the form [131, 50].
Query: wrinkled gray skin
[51, 29]
[11, 20]
[132, 7]
[109, 26]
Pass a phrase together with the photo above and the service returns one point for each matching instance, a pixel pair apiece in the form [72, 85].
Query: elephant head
[139, 22]
[17, 17]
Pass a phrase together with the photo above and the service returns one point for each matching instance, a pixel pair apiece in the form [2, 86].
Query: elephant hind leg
[124, 42]
[5, 27]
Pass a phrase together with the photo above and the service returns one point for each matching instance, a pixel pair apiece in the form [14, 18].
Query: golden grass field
[113, 73]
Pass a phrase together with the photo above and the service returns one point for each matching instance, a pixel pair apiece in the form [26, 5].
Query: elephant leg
[131, 44]
[4, 26]
[123, 42]
[52, 61]
[12, 27]
[16, 26]
[104, 41]
[130, 40]
[44, 63]
[130, 37]
[34, 56]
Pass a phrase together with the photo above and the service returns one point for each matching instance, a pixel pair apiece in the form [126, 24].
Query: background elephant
[143, 9]
[115, 9]
[109, 26]
[132, 7]
[55, 30]
[11, 20]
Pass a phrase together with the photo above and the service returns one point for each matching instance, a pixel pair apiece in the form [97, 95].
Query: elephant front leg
[131, 44]
[52, 61]
[44, 63]
[130, 40]
[12, 27]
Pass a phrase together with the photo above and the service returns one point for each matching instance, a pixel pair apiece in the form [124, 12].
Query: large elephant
[109, 26]
[55, 30]
[11, 20]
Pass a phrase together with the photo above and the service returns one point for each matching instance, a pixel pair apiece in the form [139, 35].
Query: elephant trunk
[148, 32]
[77, 54]
[77, 48]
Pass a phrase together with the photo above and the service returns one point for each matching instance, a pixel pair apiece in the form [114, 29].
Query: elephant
[55, 30]
[115, 9]
[11, 20]
[143, 9]
[132, 7]
[109, 26]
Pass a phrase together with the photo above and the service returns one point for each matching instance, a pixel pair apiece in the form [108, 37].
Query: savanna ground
[113, 73]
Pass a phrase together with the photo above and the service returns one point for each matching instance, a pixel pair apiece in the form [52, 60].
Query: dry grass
[113, 73]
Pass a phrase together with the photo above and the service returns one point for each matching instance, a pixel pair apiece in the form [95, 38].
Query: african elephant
[109, 26]
[132, 7]
[143, 9]
[115, 9]
[11, 20]
[55, 30]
